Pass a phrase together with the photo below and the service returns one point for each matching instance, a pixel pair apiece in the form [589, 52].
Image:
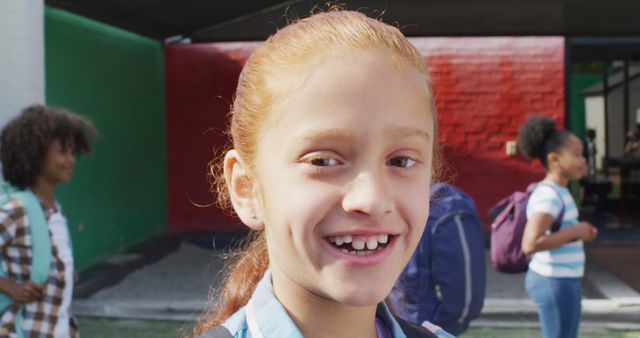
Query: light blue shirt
[265, 317]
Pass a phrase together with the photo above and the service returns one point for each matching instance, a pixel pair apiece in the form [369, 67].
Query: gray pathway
[177, 286]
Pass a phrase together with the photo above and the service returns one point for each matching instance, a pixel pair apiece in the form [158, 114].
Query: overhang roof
[246, 20]
[614, 81]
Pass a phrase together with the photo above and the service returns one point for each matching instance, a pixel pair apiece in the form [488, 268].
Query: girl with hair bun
[553, 280]
[334, 139]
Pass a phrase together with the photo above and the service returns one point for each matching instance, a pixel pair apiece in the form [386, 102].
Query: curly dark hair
[538, 137]
[25, 140]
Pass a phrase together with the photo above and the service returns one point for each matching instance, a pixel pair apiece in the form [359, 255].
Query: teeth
[359, 252]
[372, 243]
[358, 244]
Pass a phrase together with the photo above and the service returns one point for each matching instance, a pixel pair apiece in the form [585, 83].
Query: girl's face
[571, 161]
[343, 171]
[58, 163]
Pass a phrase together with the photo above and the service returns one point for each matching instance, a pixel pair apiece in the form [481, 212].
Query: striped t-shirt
[568, 259]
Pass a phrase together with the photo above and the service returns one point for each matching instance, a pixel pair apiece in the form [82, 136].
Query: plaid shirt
[40, 317]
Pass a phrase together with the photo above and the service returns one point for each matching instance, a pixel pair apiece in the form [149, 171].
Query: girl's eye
[323, 161]
[402, 161]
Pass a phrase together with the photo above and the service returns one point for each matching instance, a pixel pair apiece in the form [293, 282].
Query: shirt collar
[266, 317]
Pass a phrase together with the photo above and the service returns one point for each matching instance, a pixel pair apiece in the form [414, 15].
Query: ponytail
[240, 280]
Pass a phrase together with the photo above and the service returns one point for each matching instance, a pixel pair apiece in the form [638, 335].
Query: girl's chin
[360, 296]
[362, 300]
[64, 179]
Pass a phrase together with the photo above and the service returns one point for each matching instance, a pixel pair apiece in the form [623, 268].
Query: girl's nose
[368, 194]
[71, 157]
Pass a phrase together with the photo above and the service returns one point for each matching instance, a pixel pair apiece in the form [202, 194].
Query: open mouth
[360, 245]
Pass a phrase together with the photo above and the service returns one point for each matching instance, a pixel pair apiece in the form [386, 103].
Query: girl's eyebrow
[405, 132]
[338, 133]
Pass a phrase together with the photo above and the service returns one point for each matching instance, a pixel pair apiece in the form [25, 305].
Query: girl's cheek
[585, 169]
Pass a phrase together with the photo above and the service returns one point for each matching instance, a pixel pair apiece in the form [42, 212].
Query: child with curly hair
[38, 151]
[557, 265]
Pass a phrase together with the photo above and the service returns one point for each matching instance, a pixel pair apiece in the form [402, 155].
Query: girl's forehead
[342, 67]
[573, 142]
[287, 79]
[343, 86]
[67, 142]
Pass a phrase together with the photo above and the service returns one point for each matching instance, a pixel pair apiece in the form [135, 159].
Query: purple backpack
[507, 228]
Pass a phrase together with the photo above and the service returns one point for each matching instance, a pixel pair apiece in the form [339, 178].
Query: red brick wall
[199, 81]
[484, 89]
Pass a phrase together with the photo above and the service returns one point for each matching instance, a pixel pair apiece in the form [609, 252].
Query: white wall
[21, 56]
[594, 107]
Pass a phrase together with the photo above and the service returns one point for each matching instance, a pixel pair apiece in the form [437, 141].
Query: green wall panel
[117, 196]
[577, 118]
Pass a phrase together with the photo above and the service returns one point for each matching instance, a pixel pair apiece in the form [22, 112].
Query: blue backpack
[41, 261]
[444, 281]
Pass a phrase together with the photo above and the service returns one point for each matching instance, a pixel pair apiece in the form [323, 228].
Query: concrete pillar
[21, 56]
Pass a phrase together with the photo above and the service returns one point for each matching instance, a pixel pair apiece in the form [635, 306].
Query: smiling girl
[334, 148]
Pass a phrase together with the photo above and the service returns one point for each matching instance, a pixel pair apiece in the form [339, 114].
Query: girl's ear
[552, 159]
[241, 187]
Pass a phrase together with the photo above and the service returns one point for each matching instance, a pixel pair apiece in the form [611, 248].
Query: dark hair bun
[533, 134]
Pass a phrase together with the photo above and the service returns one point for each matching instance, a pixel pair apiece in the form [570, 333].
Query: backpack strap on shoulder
[39, 233]
[6, 189]
[217, 331]
[41, 246]
[413, 330]
[557, 223]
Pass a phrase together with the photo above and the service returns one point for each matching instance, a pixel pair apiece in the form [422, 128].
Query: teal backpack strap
[41, 248]
[6, 190]
[40, 238]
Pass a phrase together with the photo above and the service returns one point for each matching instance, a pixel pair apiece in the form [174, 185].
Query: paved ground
[127, 328]
[176, 286]
[618, 259]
